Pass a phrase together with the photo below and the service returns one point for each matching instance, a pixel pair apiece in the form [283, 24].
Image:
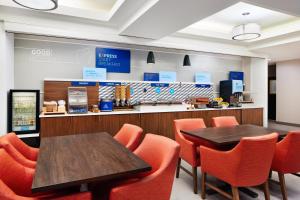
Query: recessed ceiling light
[43, 5]
[246, 13]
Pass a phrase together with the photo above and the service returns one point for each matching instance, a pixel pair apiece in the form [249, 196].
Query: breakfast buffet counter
[150, 109]
[157, 119]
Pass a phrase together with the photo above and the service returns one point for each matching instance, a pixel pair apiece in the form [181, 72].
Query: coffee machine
[232, 92]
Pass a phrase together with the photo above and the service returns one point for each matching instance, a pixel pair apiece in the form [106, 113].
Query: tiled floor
[183, 186]
[274, 125]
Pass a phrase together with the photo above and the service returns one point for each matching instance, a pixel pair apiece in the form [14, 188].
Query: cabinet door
[166, 124]
[184, 115]
[206, 115]
[56, 126]
[113, 123]
[252, 116]
[150, 123]
[234, 112]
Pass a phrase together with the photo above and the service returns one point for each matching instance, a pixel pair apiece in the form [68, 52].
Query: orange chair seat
[162, 154]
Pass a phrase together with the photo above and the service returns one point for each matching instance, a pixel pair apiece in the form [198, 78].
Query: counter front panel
[157, 123]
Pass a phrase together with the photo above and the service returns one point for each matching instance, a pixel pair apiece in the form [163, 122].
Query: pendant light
[246, 31]
[186, 61]
[43, 5]
[150, 57]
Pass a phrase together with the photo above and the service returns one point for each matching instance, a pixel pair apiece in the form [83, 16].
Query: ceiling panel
[169, 16]
[226, 19]
[101, 5]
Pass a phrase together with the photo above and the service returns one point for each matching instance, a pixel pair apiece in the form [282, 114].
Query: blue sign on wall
[114, 60]
[94, 73]
[165, 76]
[203, 77]
[151, 76]
[236, 75]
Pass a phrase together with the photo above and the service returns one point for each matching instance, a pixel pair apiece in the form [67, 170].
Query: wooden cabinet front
[253, 116]
[58, 126]
[156, 123]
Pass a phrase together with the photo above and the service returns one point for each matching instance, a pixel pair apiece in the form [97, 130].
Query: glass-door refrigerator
[23, 111]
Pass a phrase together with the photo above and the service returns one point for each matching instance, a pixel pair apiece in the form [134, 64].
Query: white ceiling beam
[168, 16]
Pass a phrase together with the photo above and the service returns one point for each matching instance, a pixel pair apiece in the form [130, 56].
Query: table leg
[225, 187]
[248, 192]
[297, 174]
[84, 187]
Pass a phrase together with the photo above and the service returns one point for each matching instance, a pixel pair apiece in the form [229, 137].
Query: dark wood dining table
[75, 160]
[227, 137]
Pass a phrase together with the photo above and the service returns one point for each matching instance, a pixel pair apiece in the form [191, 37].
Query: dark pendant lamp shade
[43, 5]
[186, 61]
[150, 57]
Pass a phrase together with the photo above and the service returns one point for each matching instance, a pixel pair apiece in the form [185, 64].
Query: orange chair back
[17, 177]
[5, 192]
[287, 156]
[162, 154]
[28, 152]
[188, 124]
[225, 121]
[254, 157]
[130, 136]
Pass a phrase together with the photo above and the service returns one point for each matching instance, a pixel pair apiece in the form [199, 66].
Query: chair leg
[270, 174]
[282, 185]
[266, 190]
[203, 185]
[235, 193]
[195, 180]
[178, 167]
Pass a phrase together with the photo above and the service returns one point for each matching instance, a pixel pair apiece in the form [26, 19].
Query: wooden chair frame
[235, 190]
[193, 174]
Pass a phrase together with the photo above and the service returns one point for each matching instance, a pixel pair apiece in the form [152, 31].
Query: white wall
[6, 74]
[67, 60]
[287, 91]
[259, 84]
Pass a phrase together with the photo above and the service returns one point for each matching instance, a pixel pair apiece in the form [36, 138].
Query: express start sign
[114, 60]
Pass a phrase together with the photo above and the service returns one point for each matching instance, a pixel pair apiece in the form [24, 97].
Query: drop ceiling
[222, 22]
[152, 20]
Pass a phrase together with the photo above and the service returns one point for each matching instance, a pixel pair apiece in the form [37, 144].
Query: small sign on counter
[82, 83]
[109, 83]
[202, 85]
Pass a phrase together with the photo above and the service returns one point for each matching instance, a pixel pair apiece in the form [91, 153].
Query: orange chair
[189, 150]
[17, 177]
[7, 194]
[17, 149]
[287, 158]
[130, 136]
[248, 164]
[16, 181]
[162, 154]
[224, 121]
